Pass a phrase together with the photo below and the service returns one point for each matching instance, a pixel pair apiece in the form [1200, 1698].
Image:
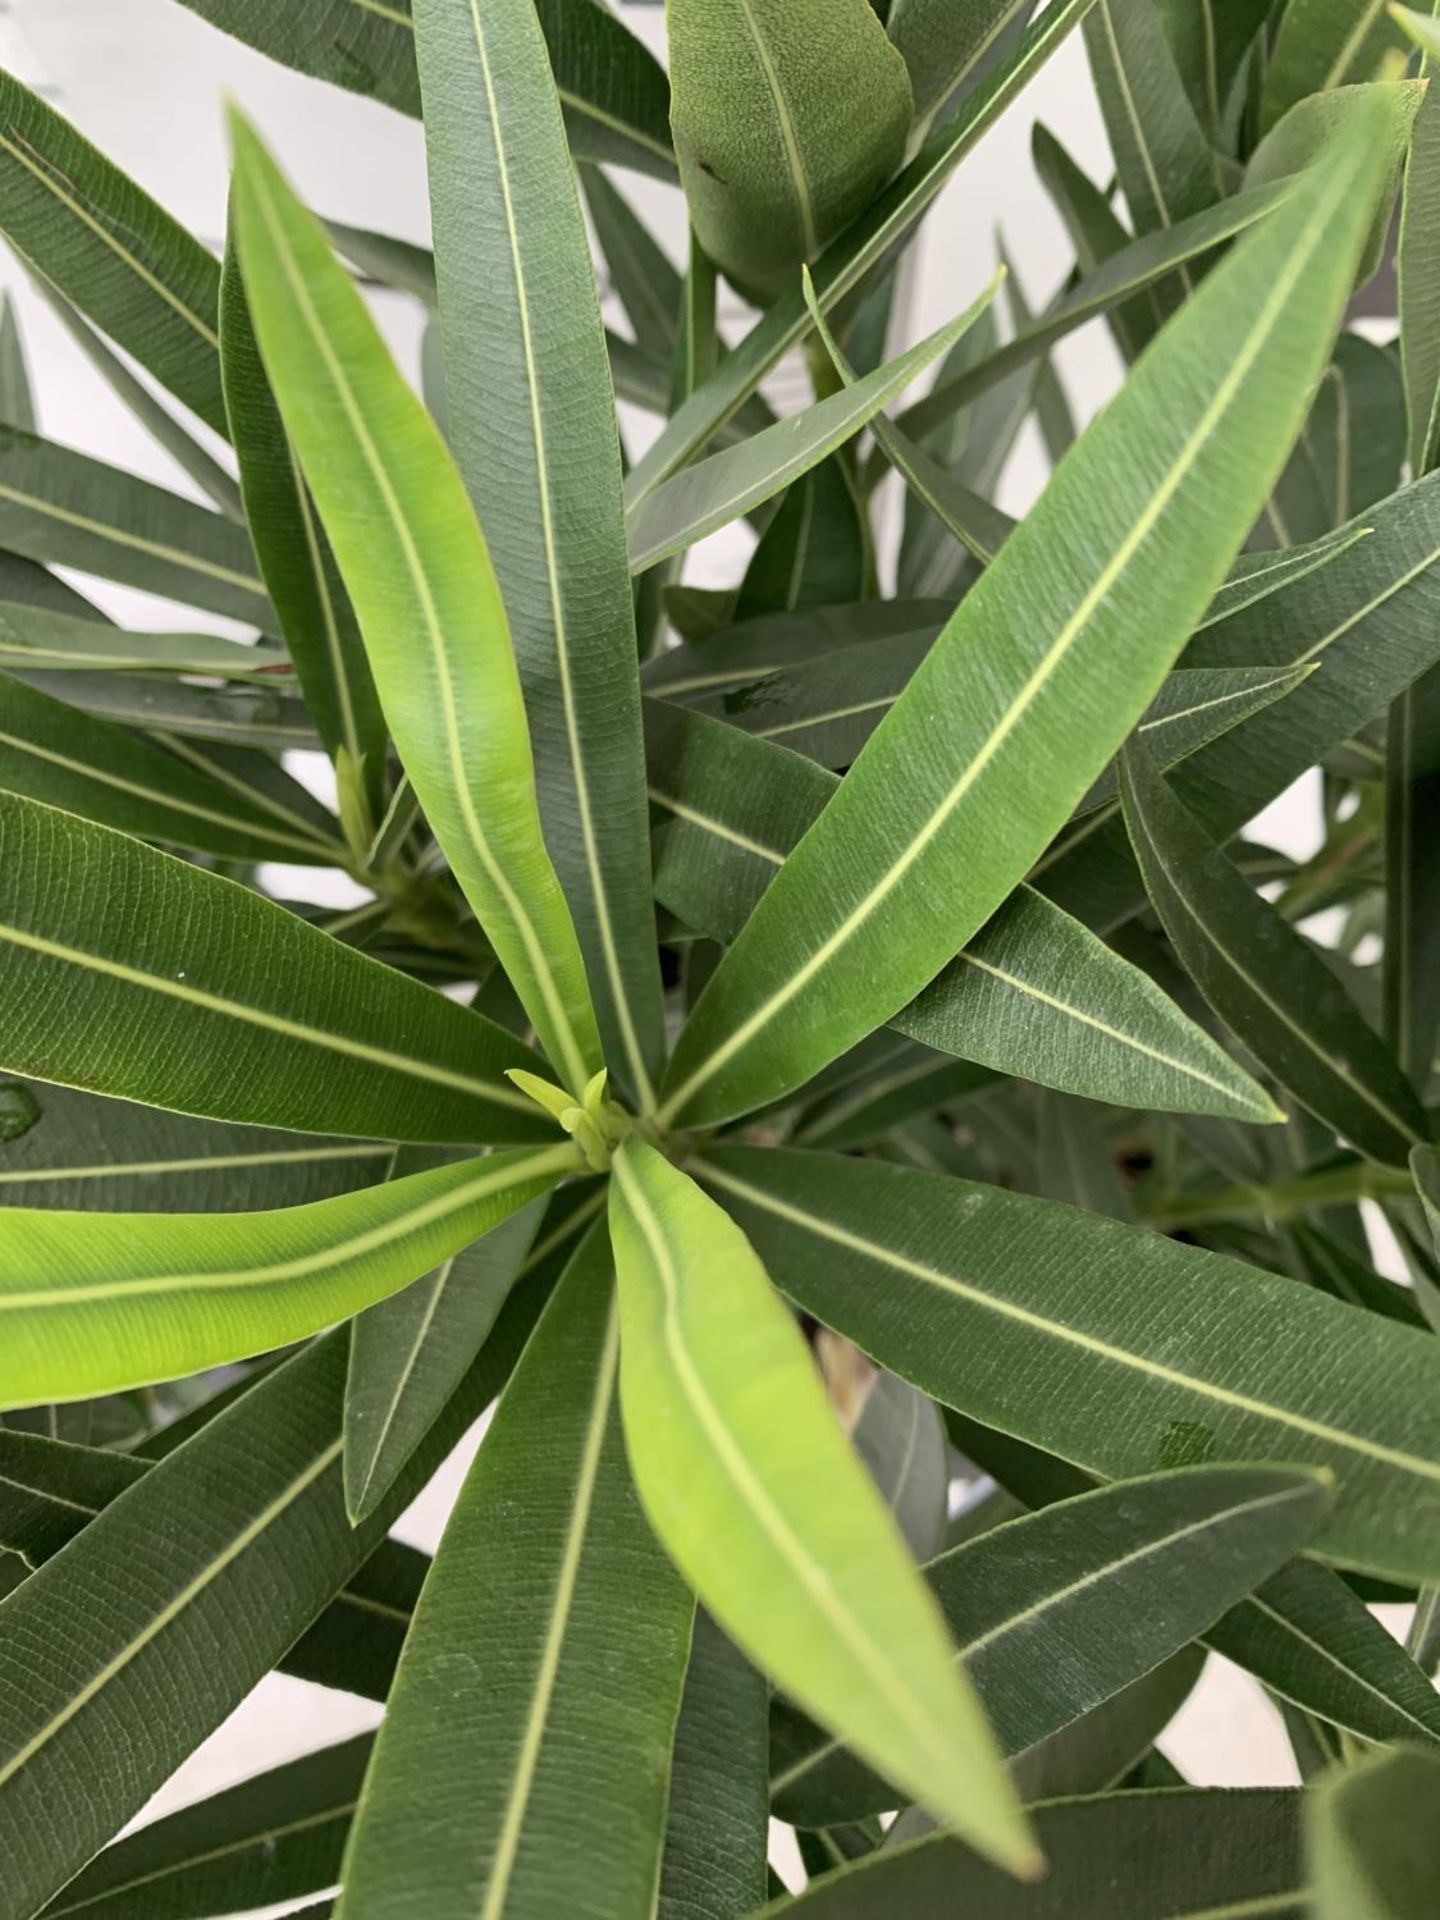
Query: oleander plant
[829, 1062]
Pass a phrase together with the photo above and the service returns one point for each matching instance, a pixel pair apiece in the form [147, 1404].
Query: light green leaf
[108, 247]
[534, 1784]
[991, 757]
[614, 91]
[1323, 44]
[709, 495]
[1104, 1343]
[63, 508]
[532, 420]
[846, 262]
[1186, 1855]
[716, 1828]
[1033, 993]
[219, 1558]
[273, 1836]
[1266, 983]
[1056, 1612]
[1371, 1838]
[294, 555]
[96, 1303]
[418, 572]
[125, 971]
[788, 116]
[791, 1550]
[84, 1152]
[51, 753]
[408, 1353]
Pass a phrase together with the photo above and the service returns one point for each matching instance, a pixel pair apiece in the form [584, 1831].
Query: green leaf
[989, 757]
[47, 639]
[1100, 1748]
[294, 555]
[848, 259]
[523, 1763]
[1323, 44]
[17, 399]
[408, 1353]
[901, 1439]
[125, 971]
[108, 247]
[182, 446]
[1188, 1855]
[51, 753]
[1097, 233]
[814, 552]
[532, 420]
[418, 572]
[274, 1836]
[716, 1828]
[613, 90]
[1103, 1343]
[1414, 258]
[1056, 1612]
[947, 48]
[789, 116]
[1371, 1838]
[642, 275]
[1164, 161]
[217, 1560]
[707, 496]
[1271, 988]
[789, 1549]
[96, 1303]
[83, 1152]
[1033, 993]
[63, 508]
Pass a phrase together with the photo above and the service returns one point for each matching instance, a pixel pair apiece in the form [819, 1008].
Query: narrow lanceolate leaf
[17, 398]
[408, 1353]
[1103, 1343]
[1371, 1839]
[523, 1763]
[1162, 155]
[716, 491]
[532, 420]
[747, 1479]
[88, 766]
[418, 572]
[213, 1564]
[49, 640]
[1180, 1855]
[986, 748]
[125, 971]
[947, 49]
[269, 1839]
[1033, 993]
[1323, 44]
[1415, 256]
[63, 508]
[612, 88]
[110, 249]
[641, 273]
[788, 116]
[716, 1827]
[900, 1436]
[83, 1152]
[1410, 974]
[1263, 980]
[846, 261]
[97, 1303]
[294, 555]
[1101, 1748]
[1053, 1613]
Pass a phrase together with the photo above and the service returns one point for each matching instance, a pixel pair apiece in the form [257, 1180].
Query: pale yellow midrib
[772, 1523]
[551, 1160]
[1057, 1330]
[619, 997]
[1235, 377]
[558, 1014]
[303, 843]
[102, 233]
[193, 1589]
[507, 1844]
[1014, 1622]
[494, 1091]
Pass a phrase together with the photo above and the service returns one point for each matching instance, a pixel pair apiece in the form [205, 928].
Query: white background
[144, 79]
